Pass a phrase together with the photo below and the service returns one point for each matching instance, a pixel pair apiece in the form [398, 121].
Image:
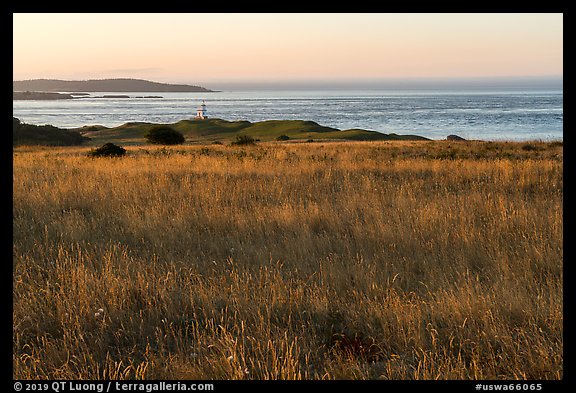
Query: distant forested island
[100, 85]
[39, 95]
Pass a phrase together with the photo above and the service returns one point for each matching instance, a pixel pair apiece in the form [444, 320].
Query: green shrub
[244, 140]
[283, 138]
[164, 135]
[107, 150]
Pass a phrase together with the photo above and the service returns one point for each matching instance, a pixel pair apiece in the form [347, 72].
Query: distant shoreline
[38, 95]
[42, 95]
[123, 85]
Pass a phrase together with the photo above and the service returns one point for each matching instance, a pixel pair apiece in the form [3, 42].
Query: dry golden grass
[403, 260]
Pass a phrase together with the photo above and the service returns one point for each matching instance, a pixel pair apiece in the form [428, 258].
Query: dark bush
[108, 150]
[530, 147]
[283, 138]
[164, 135]
[556, 144]
[244, 140]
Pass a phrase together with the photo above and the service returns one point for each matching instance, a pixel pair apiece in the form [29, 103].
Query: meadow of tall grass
[355, 260]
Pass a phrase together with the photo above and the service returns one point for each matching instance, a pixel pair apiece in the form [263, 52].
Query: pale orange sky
[200, 48]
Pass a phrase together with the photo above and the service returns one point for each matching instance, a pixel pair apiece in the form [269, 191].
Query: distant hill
[209, 130]
[99, 85]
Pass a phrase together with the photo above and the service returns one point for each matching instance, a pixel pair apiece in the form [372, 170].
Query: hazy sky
[204, 48]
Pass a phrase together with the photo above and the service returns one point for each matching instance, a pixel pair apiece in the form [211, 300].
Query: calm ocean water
[473, 114]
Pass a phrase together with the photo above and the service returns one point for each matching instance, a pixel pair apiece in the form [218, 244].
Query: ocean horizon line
[553, 82]
[524, 82]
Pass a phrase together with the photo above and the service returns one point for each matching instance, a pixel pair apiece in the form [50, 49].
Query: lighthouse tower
[201, 111]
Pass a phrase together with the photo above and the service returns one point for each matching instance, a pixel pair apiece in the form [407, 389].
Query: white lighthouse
[201, 111]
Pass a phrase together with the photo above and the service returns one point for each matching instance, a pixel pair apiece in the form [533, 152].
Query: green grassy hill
[48, 135]
[209, 130]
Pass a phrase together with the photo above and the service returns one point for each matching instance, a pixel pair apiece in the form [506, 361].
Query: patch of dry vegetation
[401, 260]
